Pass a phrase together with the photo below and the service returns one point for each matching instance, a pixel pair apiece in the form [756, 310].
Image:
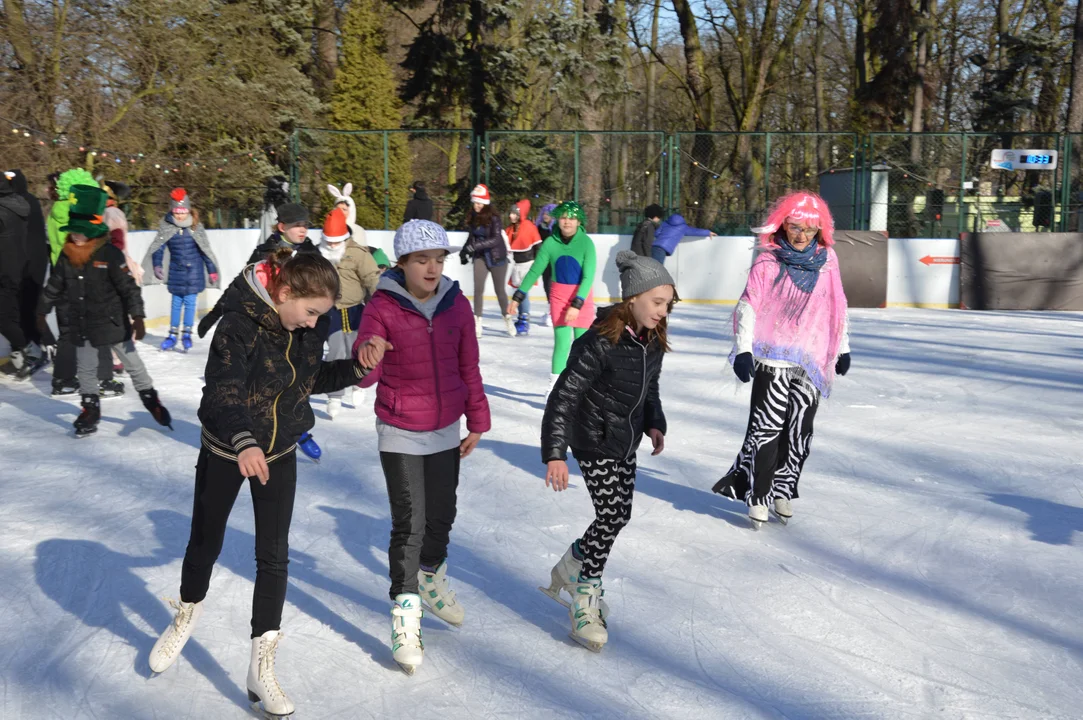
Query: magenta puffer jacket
[431, 378]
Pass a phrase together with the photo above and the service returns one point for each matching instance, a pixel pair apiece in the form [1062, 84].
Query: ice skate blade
[408, 669]
[429, 612]
[84, 434]
[757, 524]
[594, 647]
[784, 519]
[555, 595]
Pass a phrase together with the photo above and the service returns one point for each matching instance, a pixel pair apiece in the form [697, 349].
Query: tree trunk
[699, 90]
[917, 116]
[326, 47]
[1075, 101]
[953, 54]
[1049, 96]
[590, 146]
[651, 99]
[822, 158]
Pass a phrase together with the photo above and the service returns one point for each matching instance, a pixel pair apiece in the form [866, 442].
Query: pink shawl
[803, 329]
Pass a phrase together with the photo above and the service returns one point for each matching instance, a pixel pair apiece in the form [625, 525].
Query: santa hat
[480, 194]
[179, 199]
[335, 229]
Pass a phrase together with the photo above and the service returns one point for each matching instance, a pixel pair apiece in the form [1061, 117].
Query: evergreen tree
[364, 98]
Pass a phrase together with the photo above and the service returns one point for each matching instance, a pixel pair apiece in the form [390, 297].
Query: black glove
[465, 256]
[743, 367]
[842, 365]
[139, 331]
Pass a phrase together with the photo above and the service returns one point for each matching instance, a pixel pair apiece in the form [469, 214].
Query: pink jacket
[431, 378]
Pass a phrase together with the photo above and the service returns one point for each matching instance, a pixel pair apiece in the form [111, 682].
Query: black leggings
[421, 489]
[611, 484]
[217, 483]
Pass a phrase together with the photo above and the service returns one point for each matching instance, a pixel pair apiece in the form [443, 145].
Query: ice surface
[932, 569]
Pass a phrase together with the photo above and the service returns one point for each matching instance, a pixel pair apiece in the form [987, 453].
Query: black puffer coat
[94, 300]
[605, 399]
[259, 375]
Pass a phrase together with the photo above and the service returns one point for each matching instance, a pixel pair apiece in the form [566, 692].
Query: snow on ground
[933, 568]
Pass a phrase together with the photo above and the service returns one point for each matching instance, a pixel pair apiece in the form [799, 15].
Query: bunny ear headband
[344, 194]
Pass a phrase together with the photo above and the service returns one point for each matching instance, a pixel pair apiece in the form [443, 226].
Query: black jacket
[419, 207]
[37, 241]
[605, 399]
[275, 241]
[14, 211]
[487, 241]
[94, 300]
[259, 375]
[644, 238]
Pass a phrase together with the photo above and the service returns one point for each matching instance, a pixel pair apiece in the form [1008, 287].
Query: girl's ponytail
[305, 274]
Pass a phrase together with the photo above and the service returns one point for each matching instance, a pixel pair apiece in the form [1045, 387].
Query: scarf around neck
[185, 223]
[803, 266]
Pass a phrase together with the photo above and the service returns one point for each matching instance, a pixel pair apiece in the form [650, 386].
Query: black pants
[217, 483]
[65, 366]
[421, 489]
[610, 483]
[779, 436]
[11, 326]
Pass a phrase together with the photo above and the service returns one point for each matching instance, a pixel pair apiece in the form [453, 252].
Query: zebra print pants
[779, 435]
[610, 483]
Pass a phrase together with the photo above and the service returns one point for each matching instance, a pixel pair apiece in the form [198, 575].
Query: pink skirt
[560, 299]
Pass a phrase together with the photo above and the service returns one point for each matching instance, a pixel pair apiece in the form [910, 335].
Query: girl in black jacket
[601, 406]
[266, 359]
[488, 248]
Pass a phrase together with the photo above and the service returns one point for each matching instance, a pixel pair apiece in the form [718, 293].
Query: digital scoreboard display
[1004, 159]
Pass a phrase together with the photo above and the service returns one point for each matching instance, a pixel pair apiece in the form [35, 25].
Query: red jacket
[432, 377]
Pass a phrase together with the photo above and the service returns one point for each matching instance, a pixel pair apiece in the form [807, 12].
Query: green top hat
[86, 213]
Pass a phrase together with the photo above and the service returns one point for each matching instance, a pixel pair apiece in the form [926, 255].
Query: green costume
[58, 215]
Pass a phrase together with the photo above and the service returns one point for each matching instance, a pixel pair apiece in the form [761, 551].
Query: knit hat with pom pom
[179, 199]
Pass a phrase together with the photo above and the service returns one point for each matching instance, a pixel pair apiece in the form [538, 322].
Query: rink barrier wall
[1021, 271]
[709, 271]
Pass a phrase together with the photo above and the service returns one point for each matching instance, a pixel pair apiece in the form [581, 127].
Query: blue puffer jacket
[672, 230]
[186, 262]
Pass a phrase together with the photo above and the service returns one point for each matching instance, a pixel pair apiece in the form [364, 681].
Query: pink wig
[801, 205]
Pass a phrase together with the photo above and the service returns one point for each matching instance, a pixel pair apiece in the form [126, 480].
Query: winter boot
[588, 627]
[170, 342]
[27, 362]
[169, 645]
[110, 388]
[477, 326]
[334, 406]
[87, 422]
[758, 516]
[565, 576]
[783, 509]
[65, 387]
[263, 685]
[433, 588]
[156, 408]
[186, 339]
[509, 324]
[406, 645]
[309, 447]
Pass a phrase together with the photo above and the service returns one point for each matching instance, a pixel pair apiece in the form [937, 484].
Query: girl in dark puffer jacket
[601, 406]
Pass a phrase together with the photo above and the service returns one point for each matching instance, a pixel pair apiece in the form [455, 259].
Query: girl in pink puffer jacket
[427, 381]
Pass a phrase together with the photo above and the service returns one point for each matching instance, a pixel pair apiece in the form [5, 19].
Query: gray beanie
[639, 274]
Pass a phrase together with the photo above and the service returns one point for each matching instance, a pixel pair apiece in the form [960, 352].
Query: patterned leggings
[610, 483]
[779, 435]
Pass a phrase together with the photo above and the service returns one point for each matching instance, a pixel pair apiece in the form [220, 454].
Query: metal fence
[909, 185]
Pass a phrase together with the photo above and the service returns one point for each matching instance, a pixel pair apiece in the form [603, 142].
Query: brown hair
[305, 274]
[620, 316]
[479, 218]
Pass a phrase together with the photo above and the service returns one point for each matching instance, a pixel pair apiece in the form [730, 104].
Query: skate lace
[180, 622]
[267, 650]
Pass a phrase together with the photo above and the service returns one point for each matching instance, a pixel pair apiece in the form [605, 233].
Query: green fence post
[387, 185]
[1066, 183]
[295, 171]
[767, 173]
[488, 139]
[675, 181]
[575, 184]
[962, 185]
[854, 179]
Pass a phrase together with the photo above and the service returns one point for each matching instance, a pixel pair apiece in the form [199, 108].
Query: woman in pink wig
[791, 338]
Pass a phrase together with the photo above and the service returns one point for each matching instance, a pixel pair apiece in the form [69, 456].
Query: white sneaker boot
[347, 396]
[565, 576]
[477, 326]
[168, 648]
[758, 516]
[406, 645]
[548, 320]
[509, 324]
[436, 596]
[588, 627]
[783, 509]
[263, 685]
[334, 407]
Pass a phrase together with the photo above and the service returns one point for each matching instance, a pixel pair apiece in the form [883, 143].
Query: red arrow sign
[939, 260]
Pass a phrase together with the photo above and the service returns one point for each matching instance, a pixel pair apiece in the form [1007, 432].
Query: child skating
[570, 252]
[791, 339]
[428, 380]
[523, 241]
[188, 270]
[98, 306]
[266, 358]
[601, 406]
